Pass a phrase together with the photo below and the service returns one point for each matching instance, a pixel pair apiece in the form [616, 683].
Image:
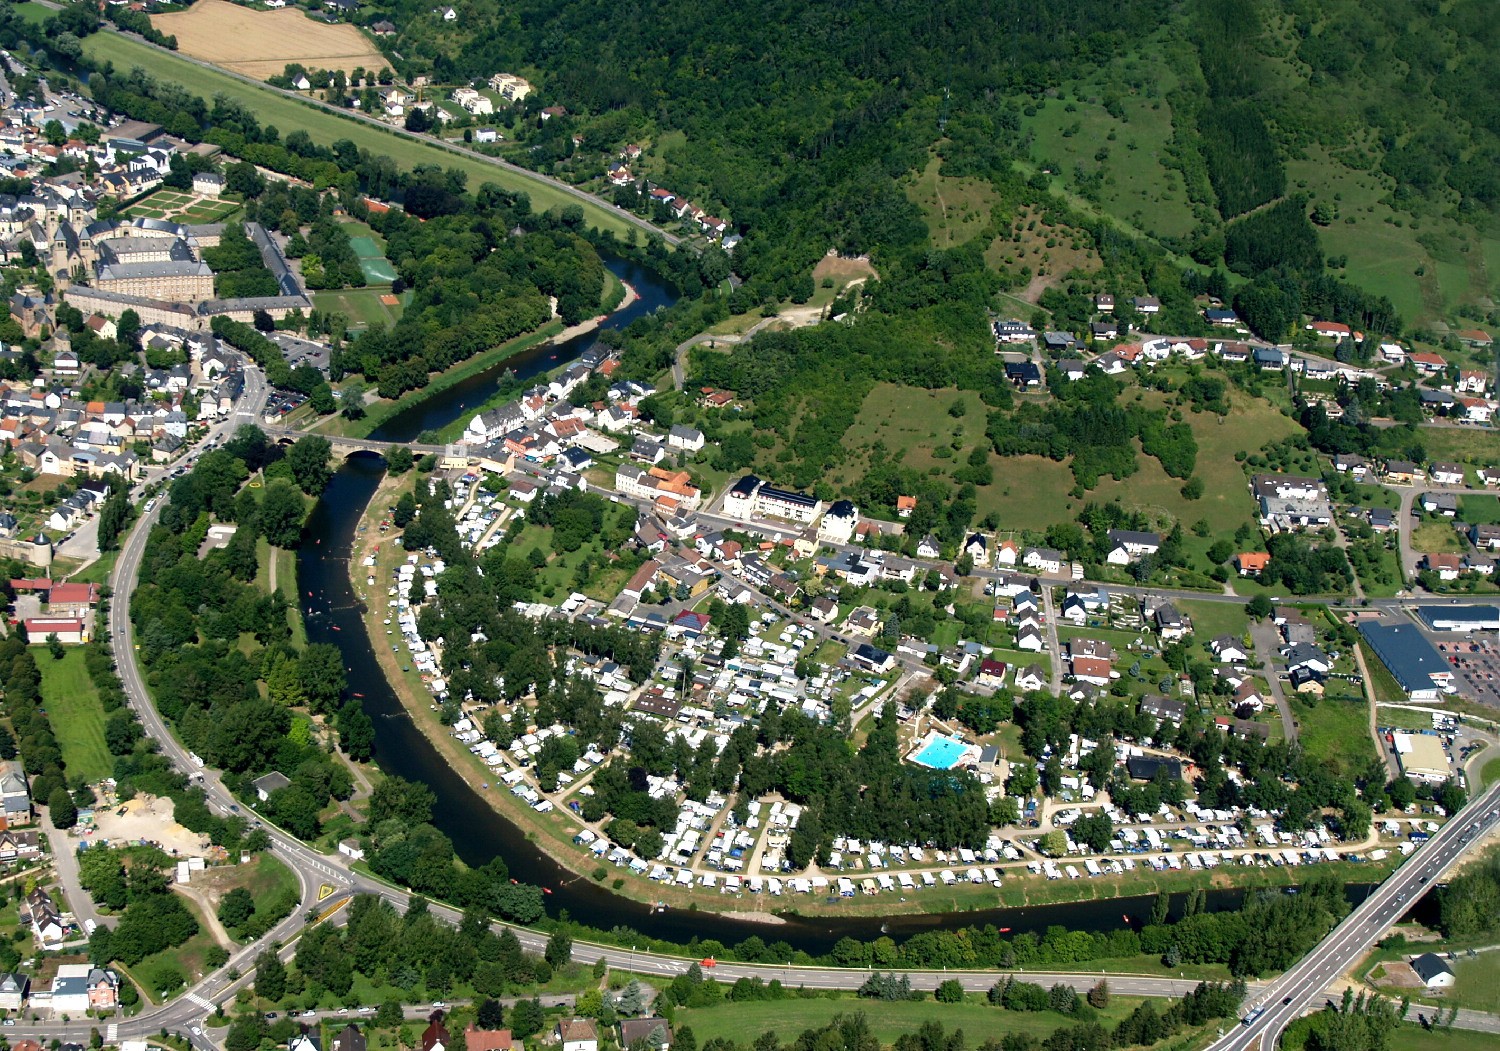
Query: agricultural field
[182, 206]
[326, 126]
[75, 712]
[260, 44]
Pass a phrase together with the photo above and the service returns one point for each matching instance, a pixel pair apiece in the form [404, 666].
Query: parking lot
[1477, 663]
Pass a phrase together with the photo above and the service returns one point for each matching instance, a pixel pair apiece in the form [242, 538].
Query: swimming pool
[940, 753]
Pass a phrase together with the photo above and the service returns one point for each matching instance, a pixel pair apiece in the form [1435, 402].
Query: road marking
[207, 1005]
[324, 891]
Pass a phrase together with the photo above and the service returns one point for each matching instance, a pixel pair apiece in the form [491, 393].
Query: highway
[1282, 1001]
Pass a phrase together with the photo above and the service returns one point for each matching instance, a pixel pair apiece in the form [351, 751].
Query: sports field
[378, 269]
[260, 44]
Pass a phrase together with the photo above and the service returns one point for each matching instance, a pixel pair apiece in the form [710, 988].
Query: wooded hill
[1379, 120]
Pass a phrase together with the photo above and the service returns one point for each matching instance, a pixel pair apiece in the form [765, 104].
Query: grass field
[1215, 618]
[1138, 186]
[1335, 730]
[956, 210]
[74, 710]
[1478, 984]
[788, 1019]
[362, 306]
[1490, 772]
[1464, 444]
[326, 127]
[260, 44]
[1415, 1038]
[1478, 510]
[1436, 537]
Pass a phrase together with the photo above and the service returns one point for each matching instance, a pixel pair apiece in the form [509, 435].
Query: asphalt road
[1285, 999]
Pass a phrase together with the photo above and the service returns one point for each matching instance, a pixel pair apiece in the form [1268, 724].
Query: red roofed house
[1096, 670]
[1447, 567]
[486, 1039]
[1475, 337]
[905, 505]
[1330, 329]
[1250, 563]
[1426, 362]
[992, 673]
[435, 1037]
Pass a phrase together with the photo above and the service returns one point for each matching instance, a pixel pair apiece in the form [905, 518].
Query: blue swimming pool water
[941, 753]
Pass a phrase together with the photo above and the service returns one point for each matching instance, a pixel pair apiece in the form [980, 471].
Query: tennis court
[377, 268]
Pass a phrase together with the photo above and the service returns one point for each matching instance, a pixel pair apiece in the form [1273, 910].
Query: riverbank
[553, 834]
[618, 295]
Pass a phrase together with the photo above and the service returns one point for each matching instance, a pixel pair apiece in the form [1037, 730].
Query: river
[333, 615]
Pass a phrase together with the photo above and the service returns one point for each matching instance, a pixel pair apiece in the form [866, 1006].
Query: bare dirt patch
[261, 43]
[843, 268]
[149, 818]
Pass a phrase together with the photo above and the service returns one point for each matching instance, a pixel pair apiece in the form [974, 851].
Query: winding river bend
[333, 615]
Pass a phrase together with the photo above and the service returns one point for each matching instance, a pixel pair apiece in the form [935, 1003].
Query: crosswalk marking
[112, 1032]
[207, 1005]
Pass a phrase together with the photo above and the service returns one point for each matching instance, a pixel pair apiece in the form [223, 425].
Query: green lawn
[362, 306]
[1415, 1038]
[1478, 983]
[1478, 510]
[1336, 731]
[326, 126]
[1490, 772]
[1215, 618]
[76, 715]
[788, 1019]
[1140, 186]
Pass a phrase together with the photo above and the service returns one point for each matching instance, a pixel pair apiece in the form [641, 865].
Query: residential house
[1129, 545]
[476, 1039]
[683, 437]
[349, 1038]
[39, 912]
[837, 526]
[871, 658]
[1043, 559]
[435, 1037]
[1170, 623]
[1163, 709]
[1447, 474]
[1445, 504]
[653, 1032]
[1485, 535]
[576, 1034]
[1402, 472]
[1032, 677]
[1354, 466]
[15, 794]
[1474, 337]
[268, 783]
[1230, 649]
[1329, 329]
[1433, 971]
[1447, 567]
[1427, 362]
[992, 673]
[928, 547]
[1251, 563]
[1147, 305]
[14, 990]
[79, 988]
[1307, 655]
[977, 547]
